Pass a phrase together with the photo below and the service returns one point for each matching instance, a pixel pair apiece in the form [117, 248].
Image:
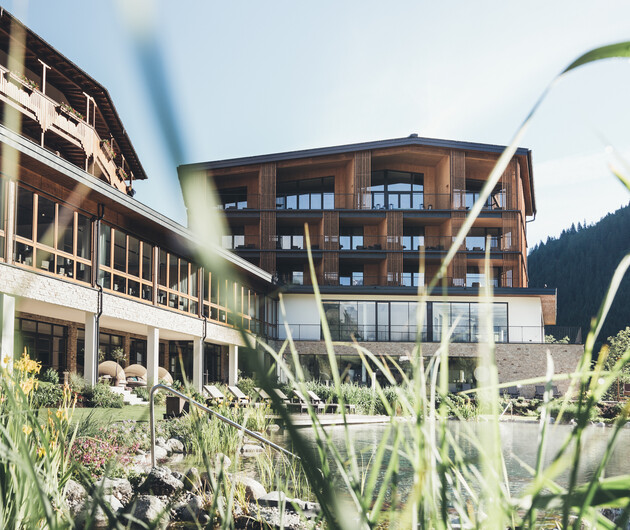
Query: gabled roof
[38, 47]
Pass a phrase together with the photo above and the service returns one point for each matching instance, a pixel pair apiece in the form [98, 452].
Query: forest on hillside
[580, 264]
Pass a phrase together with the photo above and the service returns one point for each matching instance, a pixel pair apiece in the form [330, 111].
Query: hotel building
[86, 269]
[381, 217]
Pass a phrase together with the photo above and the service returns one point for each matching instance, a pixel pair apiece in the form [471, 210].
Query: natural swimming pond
[519, 440]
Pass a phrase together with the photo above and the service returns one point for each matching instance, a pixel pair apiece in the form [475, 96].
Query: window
[413, 237]
[351, 238]
[236, 239]
[45, 237]
[2, 213]
[125, 263]
[477, 238]
[233, 198]
[475, 277]
[42, 341]
[307, 194]
[470, 196]
[394, 190]
[351, 276]
[290, 238]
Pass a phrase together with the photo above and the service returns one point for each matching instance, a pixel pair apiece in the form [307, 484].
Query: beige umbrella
[136, 370]
[163, 375]
[113, 370]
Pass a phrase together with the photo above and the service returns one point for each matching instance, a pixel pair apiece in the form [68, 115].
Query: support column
[197, 375]
[90, 357]
[7, 330]
[10, 221]
[233, 365]
[153, 355]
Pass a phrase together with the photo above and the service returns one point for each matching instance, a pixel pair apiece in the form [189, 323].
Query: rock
[251, 450]
[273, 498]
[160, 481]
[75, 495]
[178, 475]
[192, 479]
[92, 515]
[274, 427]
[173, 445]
[221, 459]
[253, 489]
[150, 509]
[160, 453]
[190, 509]
[160, 442]
[120, 488]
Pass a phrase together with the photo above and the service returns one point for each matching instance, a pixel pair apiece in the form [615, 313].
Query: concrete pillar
[197, 375]
[10, 220]
[7, 330]
[363, 373]
[233, 365]
[90, 357]
[153, 355]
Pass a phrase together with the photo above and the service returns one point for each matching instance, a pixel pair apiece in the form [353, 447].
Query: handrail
[202, 407]
[510, 406]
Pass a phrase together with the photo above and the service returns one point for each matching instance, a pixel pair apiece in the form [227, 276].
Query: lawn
[107, 415]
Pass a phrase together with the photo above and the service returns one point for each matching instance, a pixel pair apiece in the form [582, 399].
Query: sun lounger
[283, 397]
[540, 391]
[332, 407]
[318, 405]
[241, 398]
[512, 391]
[263, 395]
[214, 395]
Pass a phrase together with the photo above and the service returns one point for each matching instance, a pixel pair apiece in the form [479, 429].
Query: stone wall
[514, 361]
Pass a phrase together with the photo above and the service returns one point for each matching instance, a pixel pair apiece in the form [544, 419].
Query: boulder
[254, 490]
[75, 495]
[150, 509]
[160, 481]
[192, 479]
[91, 514]
[190, 509]
[251, 450]
[222, 460]
[160, 453]
[120, 488]
[173, 445]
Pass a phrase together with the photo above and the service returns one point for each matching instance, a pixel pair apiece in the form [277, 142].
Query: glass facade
[43, 342]
[399, 321]
[306, 194]
[397, 190]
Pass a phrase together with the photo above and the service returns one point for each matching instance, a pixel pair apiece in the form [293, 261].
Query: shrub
[570, 412]
[100, 395]
[50, 376]
[247, 385]
[47, 395]
[77, 383]
[97, 456]
[609, 410]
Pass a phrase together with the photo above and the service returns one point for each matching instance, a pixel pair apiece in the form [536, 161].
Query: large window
[477, 239]
[398, 321]
[307, 194]
[468, 197]
[413, 237]
[351, 237]
[233, 198]
[393, 190]
[475, 277]
[177, 283]
[3, 199]
[43, 342]
[126, 263]
[52, 238]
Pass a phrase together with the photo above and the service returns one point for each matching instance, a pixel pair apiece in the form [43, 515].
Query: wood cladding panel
[331, 268]
[267, 186]
[331, 230]
[394, 268]
[508, 183]
[268, 230]
[362, 179]
[268, 261]
[458, 178]
[394, 230]
[511, 232]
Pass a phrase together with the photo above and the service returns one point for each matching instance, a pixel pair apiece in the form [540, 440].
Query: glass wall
[394, 190]
[306, 194]
[43, 342]
[398, 321]
[51, 237]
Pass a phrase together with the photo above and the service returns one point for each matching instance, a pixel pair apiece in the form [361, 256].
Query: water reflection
[519, 440]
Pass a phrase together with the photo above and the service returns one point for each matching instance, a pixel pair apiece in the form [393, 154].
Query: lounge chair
[556, 393]
[241, 398]
[333, 407]
[283, 397]
[215, 396]
[540, 391]
[263, 395]
[318, 405]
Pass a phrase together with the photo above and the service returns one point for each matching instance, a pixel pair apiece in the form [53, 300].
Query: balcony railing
[464, 200]
[416, 201]
[53, 116]
[409, 333]
[241, 242]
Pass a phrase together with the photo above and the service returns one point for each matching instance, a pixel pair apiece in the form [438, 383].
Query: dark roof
[340, 149]
[47, 53]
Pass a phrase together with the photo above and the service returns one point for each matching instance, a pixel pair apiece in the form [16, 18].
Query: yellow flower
[27, 386]
[41, 452]
[27, 429]
[6, 360]
[62, 414]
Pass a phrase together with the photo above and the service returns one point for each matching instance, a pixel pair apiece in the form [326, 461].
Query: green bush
[247, 385]
[100, 395]
[50, 376]
[47, 395]
[143, 393]
[571, 411]
[609, 410]
[77, 383]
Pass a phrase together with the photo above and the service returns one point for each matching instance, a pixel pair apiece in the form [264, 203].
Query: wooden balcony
[53, 117]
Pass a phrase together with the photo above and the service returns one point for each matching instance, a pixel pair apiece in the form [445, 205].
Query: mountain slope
[580, 264]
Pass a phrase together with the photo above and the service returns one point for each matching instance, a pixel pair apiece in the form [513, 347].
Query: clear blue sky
[250, 78]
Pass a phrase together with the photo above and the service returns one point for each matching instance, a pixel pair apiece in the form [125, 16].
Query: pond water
[519, 440]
